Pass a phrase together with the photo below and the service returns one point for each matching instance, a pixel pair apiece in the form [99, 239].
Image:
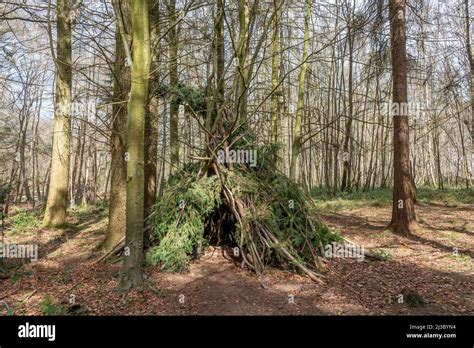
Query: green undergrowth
[49, 307]
[179, 219]
[24, 221]
[383, 196]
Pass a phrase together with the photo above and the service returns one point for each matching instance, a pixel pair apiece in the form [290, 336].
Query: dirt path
[435, 263]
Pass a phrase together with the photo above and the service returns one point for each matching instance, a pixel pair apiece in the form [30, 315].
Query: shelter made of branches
[256, 209]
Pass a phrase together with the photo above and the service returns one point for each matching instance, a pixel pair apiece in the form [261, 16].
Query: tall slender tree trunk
[152, 115]
[80, 189]
[151, 154]
[296, 147]
[471, 69]
[23, 172]
[132, 273]
[347, 155]
[216, 89]
[403, 211]
[220, 54]
[242, 59]
[56, 205]
[276, 73]
[118, 139]
[173, 71]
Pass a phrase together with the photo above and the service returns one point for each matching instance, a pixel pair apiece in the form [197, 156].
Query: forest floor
[435, 263]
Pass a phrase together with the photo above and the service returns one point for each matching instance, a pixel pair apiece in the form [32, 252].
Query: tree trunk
[471, 66]
[220, 55]
[56, 205]
[403, 211]
[152, 115]
[132, 274]
[118, 139]
[173, 71]
[276, 73]
[347, 153]
[296, 147]
[242, 60]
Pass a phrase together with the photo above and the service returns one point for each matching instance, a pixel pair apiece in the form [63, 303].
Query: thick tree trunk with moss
[403, 210]
[296, 148]
[57, 202]
[173, 70]
[132, 273]
[118, 139]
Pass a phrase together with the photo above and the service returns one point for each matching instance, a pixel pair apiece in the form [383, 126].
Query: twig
[314, 276]
[112, 251]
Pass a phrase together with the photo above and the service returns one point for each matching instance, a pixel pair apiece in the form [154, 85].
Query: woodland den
[237, 158]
